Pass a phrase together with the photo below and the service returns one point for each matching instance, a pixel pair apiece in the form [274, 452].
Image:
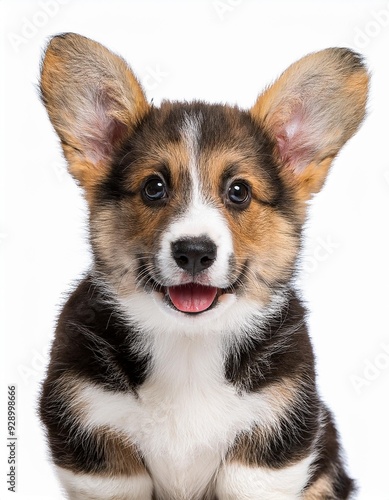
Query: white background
[224, 51]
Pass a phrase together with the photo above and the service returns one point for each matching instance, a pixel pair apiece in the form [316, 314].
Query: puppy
[181, 367]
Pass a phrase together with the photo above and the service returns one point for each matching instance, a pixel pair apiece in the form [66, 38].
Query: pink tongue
[192, 298]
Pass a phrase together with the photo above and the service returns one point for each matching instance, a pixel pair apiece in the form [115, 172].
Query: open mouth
[192, 297]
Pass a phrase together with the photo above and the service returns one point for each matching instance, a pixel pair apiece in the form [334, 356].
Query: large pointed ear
[314, 107]
[93, 100]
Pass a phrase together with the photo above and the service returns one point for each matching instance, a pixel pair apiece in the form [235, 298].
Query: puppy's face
[196, 207]
[195, 213]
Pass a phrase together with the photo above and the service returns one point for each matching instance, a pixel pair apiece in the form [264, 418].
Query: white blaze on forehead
[200, 219]
[191, 135]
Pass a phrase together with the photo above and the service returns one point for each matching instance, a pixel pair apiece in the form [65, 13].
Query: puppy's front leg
[93, 461]
[295, 463]
[79, 486]
[237, 480]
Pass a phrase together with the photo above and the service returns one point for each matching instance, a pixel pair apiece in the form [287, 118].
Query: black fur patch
[93, 340]
[279, 349]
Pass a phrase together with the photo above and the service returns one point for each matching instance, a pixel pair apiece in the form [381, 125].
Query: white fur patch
[184, 416]
[96, 487]
[199, 220]
[236, 481]
[232, 318]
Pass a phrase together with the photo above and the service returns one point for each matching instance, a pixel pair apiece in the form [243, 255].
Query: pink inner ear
[101, 132]
[296, 147]
[99, 147]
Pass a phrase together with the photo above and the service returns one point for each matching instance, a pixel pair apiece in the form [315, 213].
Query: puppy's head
[198, 208]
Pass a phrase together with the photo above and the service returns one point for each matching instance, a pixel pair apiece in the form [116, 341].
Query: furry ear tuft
[314, 107]
[93, 101]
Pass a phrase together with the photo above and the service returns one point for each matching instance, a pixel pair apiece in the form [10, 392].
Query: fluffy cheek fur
[267, 243]
[123, 245]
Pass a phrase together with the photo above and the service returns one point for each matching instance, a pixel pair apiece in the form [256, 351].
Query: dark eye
[154, 189]
[239, 193]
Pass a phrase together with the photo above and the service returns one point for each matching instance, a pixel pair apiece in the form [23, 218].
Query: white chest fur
[185, 415]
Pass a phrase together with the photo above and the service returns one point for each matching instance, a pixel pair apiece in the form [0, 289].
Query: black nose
[194, 254]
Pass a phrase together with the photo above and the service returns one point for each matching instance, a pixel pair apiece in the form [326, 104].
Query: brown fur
[122, 457]
[321, 489]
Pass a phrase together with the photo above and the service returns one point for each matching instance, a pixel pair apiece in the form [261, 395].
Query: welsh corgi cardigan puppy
[182, 368]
